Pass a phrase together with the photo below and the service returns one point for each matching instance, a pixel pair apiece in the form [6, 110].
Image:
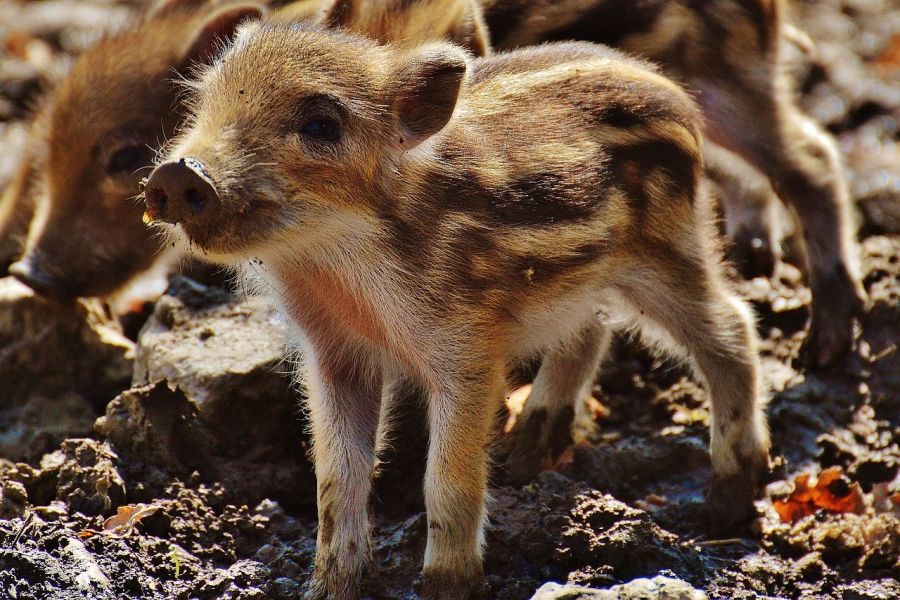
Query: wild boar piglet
[420, 214]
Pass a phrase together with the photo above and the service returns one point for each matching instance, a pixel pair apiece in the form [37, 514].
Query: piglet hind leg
[544, 429]
[803, 165]
[461, 415]
[686, 301]
[344, 399]
[811, 179]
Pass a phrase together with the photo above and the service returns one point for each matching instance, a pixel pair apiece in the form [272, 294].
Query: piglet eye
[321, 129]
[129, 159]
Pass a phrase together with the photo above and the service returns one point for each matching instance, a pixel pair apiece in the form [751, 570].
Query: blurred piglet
[95, 137]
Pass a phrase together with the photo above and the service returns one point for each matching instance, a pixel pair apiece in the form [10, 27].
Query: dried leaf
[596, 409]
[15, 43]
[832, 492]
[791, 510]
[890, 58]
[656, 500]
[127, 517]
[561, 462]
[835, 493]
[515, 402]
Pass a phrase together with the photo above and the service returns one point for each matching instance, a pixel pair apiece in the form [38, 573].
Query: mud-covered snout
[181, 192]
[30, 271]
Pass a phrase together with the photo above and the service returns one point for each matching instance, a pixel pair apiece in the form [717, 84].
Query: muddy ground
[191, 431]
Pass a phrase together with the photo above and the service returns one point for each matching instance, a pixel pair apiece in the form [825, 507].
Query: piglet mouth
[181, 192]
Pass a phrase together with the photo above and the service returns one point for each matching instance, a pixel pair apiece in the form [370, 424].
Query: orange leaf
[832, 492]
[835, 493]
[790, 510]
[15, 44]
[890, 58]
[127, 517]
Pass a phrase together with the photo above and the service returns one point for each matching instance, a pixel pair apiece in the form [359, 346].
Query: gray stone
[658, 588]
[225, 355]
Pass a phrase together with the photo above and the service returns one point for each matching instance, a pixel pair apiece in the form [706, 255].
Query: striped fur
[541, 188]
[730, 54]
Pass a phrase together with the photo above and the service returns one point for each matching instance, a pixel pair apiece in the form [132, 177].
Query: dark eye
[129, 159]
[322, 129]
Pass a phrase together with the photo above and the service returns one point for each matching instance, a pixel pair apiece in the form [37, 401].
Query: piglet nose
[180, 192]
[30, 273]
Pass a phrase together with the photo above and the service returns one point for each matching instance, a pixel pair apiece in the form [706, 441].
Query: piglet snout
[180, 192]
[29, 271]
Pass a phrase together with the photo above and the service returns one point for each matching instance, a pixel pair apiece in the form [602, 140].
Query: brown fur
[413, 21]
[419, 214]
[731, 54]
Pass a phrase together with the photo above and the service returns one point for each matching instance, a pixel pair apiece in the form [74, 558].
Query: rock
[212, 394]
[882, 212]
[83, 474]
[658, 588]
[885, 589]
[88, 480]
[582, 533]
[39, 341]
[38, 424]
[601, 530]
[158, 426]
[13, 499]
[225, 355]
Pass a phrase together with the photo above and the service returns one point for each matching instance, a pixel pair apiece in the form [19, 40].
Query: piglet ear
[428, 87]
[339, 13]
[216, 30]
[162, 8]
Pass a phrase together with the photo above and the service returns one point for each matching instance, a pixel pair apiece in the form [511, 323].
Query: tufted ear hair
[216, 29]
[339, 13]
[429, 83]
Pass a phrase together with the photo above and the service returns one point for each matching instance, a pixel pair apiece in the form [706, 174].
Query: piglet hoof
[730, 497]
[830, 333]
[331, 586]
[314, 590]
[535, 443]
[754, 254]
[439, 584]
[730, 505]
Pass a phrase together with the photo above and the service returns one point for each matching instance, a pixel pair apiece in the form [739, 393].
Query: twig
[714, 543]
[25, 526]
[890, 349]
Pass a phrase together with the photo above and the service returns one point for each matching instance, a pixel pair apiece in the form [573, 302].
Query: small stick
[725, 542]
[23, 528]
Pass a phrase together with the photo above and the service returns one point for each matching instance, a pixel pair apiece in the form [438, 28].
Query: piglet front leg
[344, 401]
[460, 417]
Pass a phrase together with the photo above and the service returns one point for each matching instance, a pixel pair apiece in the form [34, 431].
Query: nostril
[156, 200]
[195, 200]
